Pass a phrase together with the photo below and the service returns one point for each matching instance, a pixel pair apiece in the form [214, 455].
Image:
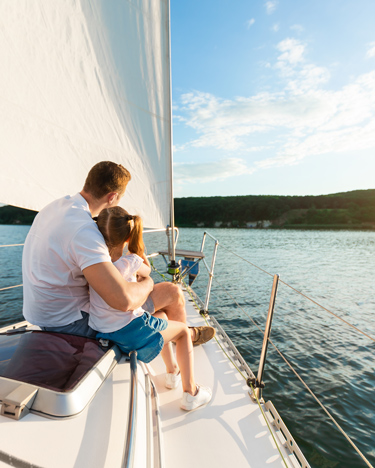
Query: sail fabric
[84, 81]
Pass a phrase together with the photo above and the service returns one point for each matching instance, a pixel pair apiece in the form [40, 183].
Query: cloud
[276, 27]
[206, 172]
[292, 51]
[282, 128]
[291, 63]
[371, 50]
[297, 27]
[301, 119]
[250, 22]
[271, 6]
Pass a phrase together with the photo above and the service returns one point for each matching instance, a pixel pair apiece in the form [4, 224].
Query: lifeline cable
[300, 378]
[11, 287]
[11, 245]
[306, 297]
[290, 366]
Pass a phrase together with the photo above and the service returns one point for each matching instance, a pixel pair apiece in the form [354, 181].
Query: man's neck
[95, 205]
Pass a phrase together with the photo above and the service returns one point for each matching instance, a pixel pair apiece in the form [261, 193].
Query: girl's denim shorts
[142, 335]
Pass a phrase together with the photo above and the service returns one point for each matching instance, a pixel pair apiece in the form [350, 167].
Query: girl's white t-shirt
[104, 318]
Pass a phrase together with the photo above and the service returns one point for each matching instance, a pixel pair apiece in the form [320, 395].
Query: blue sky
[273, 97]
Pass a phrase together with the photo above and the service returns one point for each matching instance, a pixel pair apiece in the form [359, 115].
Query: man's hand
[141, 279]
[107, 281]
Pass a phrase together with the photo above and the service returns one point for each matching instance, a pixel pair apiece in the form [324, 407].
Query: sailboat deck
[230, 430]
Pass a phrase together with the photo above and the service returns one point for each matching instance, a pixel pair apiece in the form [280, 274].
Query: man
[64, 251]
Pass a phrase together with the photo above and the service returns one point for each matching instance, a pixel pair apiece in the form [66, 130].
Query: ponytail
[118, 226]
[136, 244]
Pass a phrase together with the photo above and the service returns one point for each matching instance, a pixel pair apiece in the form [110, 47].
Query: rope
[11, 245]
[11, 287]
[156, 270]
[304, 295]
[267, 422]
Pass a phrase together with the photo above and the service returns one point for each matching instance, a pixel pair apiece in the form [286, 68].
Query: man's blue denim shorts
[141, 334]
[79, 327]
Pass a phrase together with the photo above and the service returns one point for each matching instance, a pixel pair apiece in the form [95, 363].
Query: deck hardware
[267, 333]
[16, 330]
[104, 343]
[18, 403]
[255, 383]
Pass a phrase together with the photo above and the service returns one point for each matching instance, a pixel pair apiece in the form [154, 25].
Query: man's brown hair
[106, 177]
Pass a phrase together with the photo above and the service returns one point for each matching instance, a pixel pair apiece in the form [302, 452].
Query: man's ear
[112, 197]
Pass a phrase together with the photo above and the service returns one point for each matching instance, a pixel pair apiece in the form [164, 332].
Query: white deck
[229, 431]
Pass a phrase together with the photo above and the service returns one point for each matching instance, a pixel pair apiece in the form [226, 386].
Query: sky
[273, 97]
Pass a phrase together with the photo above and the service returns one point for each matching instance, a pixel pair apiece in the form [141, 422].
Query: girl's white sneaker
[172, 380]
[202, 397]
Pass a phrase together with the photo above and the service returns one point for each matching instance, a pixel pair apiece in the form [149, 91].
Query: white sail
[84, 81]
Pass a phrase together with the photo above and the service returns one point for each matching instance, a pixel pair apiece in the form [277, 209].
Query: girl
[138, 330]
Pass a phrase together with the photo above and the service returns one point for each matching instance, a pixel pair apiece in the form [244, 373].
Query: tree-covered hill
[354, 209]
[14, 215]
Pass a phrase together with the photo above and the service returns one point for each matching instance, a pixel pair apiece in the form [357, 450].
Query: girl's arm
[144, 270]
[145, 260]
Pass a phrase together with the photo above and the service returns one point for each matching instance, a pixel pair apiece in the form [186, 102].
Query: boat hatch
[52, 374]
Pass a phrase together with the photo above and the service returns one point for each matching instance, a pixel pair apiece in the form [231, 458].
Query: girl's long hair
[118, 226]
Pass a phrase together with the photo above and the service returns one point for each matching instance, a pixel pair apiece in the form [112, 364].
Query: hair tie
[130, 220]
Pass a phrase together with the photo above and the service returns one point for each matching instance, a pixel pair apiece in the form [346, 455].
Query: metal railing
[128, 456]
[267, 332]
[210, 270]
[257, 383]
[167, 230]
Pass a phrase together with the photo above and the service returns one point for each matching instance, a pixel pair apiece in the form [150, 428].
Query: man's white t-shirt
[62, 242]
[104, 318]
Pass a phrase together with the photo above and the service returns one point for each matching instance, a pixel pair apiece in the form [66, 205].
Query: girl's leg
[169, 359]
[180, 333]
[167, 352]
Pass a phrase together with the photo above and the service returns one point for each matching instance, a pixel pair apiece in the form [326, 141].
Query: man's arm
[111, 286]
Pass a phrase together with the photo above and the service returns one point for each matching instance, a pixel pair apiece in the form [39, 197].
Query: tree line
[356, 208]
[348, 208]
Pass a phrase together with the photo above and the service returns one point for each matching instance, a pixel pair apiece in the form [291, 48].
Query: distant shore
[347, 210]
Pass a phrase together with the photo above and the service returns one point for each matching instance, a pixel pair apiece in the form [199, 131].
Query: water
[335, 268]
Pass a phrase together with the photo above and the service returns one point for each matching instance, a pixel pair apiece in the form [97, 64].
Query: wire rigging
[11, 245]
[304, 295]
[294, 371]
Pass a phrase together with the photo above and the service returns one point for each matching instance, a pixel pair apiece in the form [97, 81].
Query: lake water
[336, 269]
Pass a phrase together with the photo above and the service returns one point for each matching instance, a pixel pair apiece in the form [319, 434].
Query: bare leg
[169, 298]
[167, 352]
[180, 333]
[169, 359]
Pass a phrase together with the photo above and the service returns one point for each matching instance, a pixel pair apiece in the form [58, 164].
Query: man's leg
[169, 298]
[79, 327]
